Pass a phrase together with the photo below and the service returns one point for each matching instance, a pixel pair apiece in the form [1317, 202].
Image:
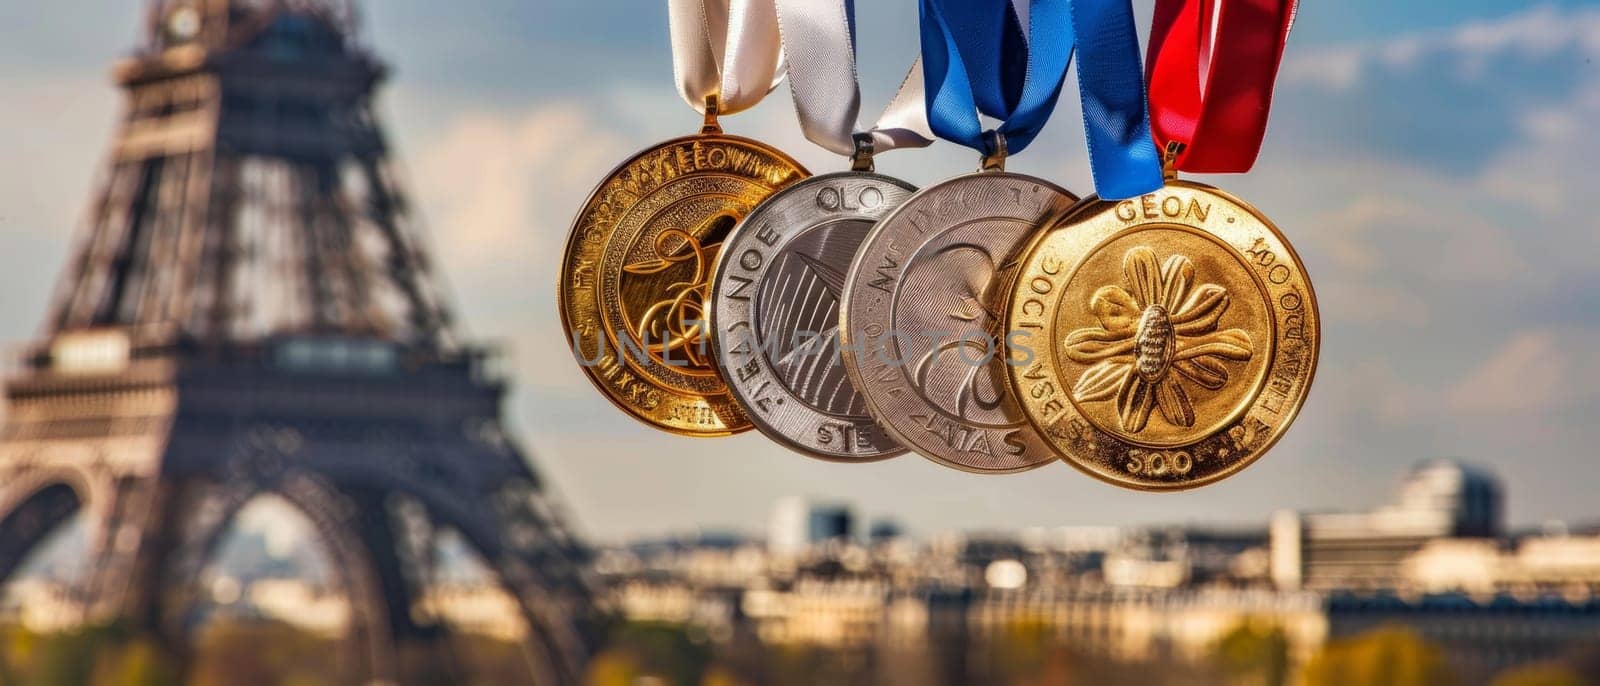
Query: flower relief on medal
[1156, 337]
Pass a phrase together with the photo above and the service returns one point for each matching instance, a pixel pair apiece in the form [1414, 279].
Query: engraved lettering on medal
[768, 237]
[583, 274]
[1278, 274]
[1015, 445]
[851, 438]
[1152, 207]
[887, 271]
[956, 436]
[1041, 285]
[762, 399]
[740, 284]
[1126, 211]
[840, 199]
[1159, 463]
[1294, 323]
[695, 413]
[748, 371]
[1043, 388]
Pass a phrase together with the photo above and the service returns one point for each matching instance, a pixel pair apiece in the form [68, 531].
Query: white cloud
[501, 186]
[1534, 33]
[1551, 168]
[1333, 68]
[1532, 372]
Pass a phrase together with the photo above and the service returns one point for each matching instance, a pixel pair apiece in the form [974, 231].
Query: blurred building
[798, 524]
[1170, 557]
[956, 607]
[1153, 625]
[882, 531]
[1478, 637]
[1534, 566]
[832, 613]
[482, 609]
[42, 605]
[319, 610]
[1366, 550]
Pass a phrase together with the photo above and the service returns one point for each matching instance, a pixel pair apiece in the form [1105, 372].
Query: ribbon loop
[971, 62]
[976, 59]
[819, 41]
[725, 49]
[1116, 119]
[1212, 69]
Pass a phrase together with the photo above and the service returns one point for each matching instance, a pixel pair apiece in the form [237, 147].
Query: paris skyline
[1428, 162]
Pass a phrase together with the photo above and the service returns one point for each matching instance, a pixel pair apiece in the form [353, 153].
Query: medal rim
[717, 278]
[1093, 205]
[569, 251]
[847, 336]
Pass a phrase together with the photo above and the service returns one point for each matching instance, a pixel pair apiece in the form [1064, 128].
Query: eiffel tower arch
[250, 311]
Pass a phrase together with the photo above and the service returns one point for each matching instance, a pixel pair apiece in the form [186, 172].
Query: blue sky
[1431, 161]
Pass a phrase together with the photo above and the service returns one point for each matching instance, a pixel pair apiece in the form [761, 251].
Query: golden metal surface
[1174, 337]
[637, 266]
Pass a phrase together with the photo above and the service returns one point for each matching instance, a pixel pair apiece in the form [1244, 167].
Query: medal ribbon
[725, 48]
[819, 44]
[1212, 66]
[965, 51]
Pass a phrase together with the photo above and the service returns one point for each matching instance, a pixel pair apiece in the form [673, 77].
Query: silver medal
[922, 316]
[774, 305]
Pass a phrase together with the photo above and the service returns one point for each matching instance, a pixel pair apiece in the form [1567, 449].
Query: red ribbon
[1211, 77]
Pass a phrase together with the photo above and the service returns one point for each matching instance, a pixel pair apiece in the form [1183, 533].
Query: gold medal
[1171, 338]
[636, 270]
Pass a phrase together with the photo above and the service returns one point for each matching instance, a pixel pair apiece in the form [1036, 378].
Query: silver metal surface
[775, 298]
[922, 316]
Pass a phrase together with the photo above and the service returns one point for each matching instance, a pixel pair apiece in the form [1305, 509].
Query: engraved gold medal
[1175, 337]
[637, 267]
[636, 271]
[1177, 331]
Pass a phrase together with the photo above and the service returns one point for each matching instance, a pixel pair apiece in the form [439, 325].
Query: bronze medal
[637, 267]
[1174, 337]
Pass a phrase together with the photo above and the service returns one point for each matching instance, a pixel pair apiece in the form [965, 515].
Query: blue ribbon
[965, 52]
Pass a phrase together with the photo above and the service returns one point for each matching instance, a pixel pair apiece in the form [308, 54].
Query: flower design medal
[637, 266]
[1178, 330]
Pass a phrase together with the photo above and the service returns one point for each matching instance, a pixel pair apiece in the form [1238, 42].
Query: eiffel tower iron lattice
[250, 311]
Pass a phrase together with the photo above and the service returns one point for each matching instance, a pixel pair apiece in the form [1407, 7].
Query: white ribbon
[730, 49]
[827, 94]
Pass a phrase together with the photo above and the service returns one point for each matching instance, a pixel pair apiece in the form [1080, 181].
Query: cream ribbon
[817, 41]
[730, 49]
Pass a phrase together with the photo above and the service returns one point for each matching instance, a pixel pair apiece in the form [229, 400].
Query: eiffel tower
[250, 311]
